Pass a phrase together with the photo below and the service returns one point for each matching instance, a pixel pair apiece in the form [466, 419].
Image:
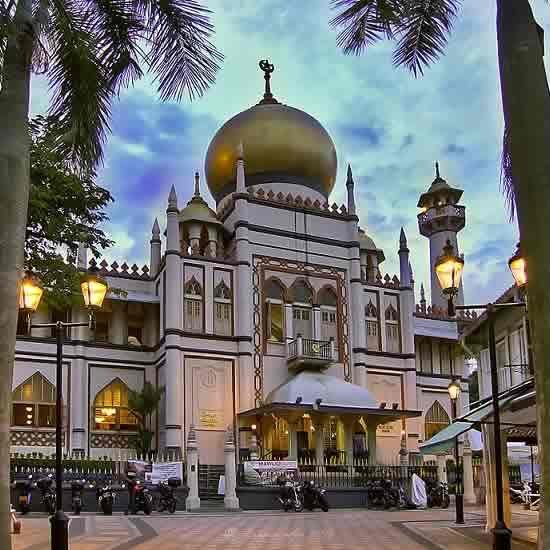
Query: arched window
[301, 295]
[33, 403]
[372, 322]
[329, 318]
[436, 419]
[274, 308]
[391, 315]
[193, 305]
[111, 411]
[222, 309]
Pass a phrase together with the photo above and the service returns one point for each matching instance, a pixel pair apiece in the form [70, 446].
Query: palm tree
[89, 50]
[143, 404]
[421, 29]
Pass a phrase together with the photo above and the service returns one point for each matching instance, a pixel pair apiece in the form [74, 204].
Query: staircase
[209, 477]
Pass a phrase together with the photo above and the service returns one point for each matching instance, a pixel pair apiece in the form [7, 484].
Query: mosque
[271, 314]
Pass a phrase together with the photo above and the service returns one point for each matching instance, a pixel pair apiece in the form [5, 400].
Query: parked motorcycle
[313, 496]
[290, 494]
[438, 494]
[45, 485]
[376, 494]
[167, 500]
[140, 496]
[77, 486]
[24, 488]
[105, 498]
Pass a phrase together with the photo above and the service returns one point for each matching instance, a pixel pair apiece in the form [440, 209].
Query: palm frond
[180, 52]
[424, 29]
[363, 22]
[118, 30]
[82, 94]
[507, 186]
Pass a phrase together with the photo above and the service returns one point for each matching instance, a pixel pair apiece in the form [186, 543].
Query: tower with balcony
[440, 219]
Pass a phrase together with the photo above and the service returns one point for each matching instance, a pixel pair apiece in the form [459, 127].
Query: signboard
[164, 470]
[273, 465]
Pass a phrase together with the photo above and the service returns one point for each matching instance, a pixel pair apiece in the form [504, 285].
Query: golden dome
[281, 144]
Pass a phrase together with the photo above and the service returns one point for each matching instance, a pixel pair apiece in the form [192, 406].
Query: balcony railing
[305, 350]
[513, 374]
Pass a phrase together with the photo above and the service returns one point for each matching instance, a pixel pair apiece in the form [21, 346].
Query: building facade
[270, 313]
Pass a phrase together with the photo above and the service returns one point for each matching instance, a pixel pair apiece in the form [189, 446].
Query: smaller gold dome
[281, 144]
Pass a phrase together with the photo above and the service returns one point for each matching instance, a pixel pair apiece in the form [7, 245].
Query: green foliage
[143, 404]
[64, 209]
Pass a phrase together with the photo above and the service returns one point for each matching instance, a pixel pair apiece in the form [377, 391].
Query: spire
[241, 183]
[350, 185]
[172, 199]
[267, 68]
[82, 256]
[402, 240]
[422, 298]
[156, 230]
[411, 274]
[197, 185]
[437, 176]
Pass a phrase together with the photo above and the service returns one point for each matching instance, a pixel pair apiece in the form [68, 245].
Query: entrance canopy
[517, 398]
[318, 392]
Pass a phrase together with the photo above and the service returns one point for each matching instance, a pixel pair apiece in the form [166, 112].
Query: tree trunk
[526, 104]
[14, 191]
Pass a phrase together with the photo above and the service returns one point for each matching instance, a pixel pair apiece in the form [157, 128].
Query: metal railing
[357, 475]
[513, 374]
[306, 348]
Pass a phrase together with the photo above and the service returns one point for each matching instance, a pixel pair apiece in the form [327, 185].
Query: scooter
[290, 495]
[167, 500]
[105, 498]
[48, 494]
[438, 495]
[77, 486]
[313, 496]
[24, 486]
[140, 497]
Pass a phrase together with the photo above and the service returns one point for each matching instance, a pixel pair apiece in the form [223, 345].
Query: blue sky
[388, 125]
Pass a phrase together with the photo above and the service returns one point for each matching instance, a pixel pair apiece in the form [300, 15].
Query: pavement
[273, 530]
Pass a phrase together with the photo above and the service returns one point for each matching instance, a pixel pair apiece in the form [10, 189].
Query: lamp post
[448, 274]
[454, 390]
[94, 290]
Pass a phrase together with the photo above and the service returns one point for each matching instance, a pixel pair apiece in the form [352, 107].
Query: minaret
[82, 257]
[350, 184]
[241, 183]
[404, 264]
[154, 261]
[441, 218]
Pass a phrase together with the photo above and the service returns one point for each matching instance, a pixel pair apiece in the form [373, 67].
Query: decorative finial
[411, 274]
[402, 239]
[156, 229]
[422, 293]
[267, 68]
[197, 187]
[172, 198]
[437, 170]
[349, 180]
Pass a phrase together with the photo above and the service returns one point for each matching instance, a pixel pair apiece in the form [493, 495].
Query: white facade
[214, 319]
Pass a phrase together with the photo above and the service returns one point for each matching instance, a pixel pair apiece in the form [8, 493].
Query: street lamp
[448, 268]
[454, 390]
[518, 267]
[94, 290]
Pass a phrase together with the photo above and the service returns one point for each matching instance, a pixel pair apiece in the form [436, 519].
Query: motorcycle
[140, 497]
[167, 500]
[77, 486]
[289, 495]
[48, 494]
[438, 495]
[105, 498]
[376, 495]
[313, 496]
[24, 486]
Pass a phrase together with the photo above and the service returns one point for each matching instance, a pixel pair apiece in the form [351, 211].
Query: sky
[388, 125]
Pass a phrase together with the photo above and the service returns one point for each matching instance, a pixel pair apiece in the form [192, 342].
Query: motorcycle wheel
[148, 507]
[323, 503]
[107, 508]
[51, 507]
[298, 507]
[445, 501]
[173, 505]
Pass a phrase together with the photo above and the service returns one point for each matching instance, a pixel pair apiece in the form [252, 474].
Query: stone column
[230, 501]
[192, 502]
[253, 446]
[442, 468]
[468, 473]
[348, 437]
[155, 250]
[289, 332]
[371, 441]
[118, 327]
[403, 452]
[212, 247]
[316, 322]
[358, 331]
[195, 239]
[292, 440]
[319, 425]
[79, 405]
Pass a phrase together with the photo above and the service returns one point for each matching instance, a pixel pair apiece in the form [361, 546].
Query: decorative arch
[193, 287]
[326, 296]
[275, 289]
[111, 409]
[371, 310]
[222, 291]
[301, 291]
[435, 420]
[391, 313]
[33, 403]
